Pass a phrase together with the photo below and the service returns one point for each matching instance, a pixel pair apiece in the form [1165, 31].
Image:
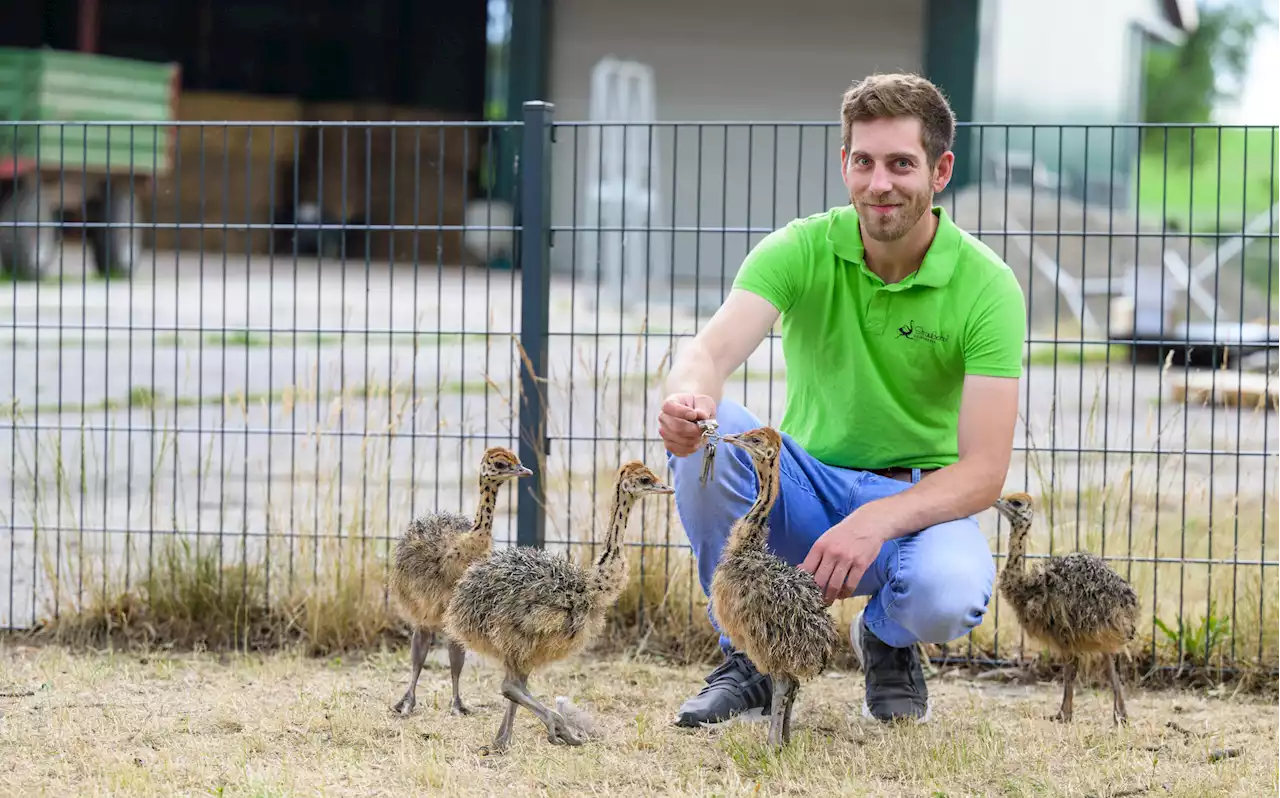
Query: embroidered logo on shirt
[914, 332]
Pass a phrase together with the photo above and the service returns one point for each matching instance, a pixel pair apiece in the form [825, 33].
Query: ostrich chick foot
[417, 656]
[405, 705]
[561, 732]
[502, 740]
[515, 688]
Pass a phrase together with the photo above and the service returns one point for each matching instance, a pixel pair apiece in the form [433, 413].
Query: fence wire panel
[275, 343]
[1136, 246]
[283, 365]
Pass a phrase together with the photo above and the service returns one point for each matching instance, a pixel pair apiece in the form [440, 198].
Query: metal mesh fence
[277, 342]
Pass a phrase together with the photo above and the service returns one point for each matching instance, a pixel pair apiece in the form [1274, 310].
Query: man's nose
[880, 182]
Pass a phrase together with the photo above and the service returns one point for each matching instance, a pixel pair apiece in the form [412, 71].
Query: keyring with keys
[709, 429]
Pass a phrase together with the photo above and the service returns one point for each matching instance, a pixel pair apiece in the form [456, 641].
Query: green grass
[1260, 270]
[144, 397]
[1233, 181]
[69, 338]
[248, 339]
[1066, 352]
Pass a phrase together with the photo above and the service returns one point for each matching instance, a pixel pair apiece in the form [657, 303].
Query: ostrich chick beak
[523, 471]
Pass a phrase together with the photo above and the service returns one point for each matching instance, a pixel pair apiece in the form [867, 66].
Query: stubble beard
[896, 224]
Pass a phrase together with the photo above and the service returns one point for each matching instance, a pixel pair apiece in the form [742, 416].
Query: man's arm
[988, 414]
[994, 337]
[766, 286]
[696, 382]
[723, 345]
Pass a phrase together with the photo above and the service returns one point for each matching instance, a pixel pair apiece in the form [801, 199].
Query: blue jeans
[932, 585]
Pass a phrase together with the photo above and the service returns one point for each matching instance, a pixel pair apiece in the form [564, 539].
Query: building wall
[717, 61]
[1033, 68]
[1037, 69]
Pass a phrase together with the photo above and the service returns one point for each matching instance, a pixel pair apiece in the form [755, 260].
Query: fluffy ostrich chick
[526, 607]
[771, 610]
[1073, 603]
[431, 557]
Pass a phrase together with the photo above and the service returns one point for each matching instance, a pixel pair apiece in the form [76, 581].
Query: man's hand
[844, 552]
[697, 376]
[988, 409]
[677, 421]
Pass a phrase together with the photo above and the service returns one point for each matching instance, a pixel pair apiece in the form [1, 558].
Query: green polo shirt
[875, 371]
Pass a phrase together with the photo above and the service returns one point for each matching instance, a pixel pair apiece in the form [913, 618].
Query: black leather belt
[899, 473]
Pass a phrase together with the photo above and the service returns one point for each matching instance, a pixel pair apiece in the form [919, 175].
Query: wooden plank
[1228, 388]
[239, 172]
[220, 106]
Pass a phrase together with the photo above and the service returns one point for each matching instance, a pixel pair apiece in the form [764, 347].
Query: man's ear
[943, 171]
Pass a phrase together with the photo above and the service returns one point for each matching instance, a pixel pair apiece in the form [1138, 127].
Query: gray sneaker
[895, 681]
[735, 691]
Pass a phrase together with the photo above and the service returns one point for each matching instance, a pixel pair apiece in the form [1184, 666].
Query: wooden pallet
[1230, 388]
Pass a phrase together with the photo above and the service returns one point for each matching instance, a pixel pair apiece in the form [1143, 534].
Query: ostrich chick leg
[782, 688]
[456, 657]
[1118, 713]
[515, 688]
[502, 740]
[786, 712]
[1068, 685]
[417, 655]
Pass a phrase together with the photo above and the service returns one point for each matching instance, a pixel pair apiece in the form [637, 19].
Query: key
[709, 428]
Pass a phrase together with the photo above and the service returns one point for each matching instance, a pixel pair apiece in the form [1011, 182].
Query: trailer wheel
[27, 253]
[115, 248]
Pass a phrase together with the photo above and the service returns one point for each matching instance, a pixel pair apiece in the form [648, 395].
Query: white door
[620, 192]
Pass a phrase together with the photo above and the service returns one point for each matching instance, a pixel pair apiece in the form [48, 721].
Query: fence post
[534, 176]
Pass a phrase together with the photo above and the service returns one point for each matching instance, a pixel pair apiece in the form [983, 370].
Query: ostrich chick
[1073, 603]
[773, 611]
[526, 607]
[431, 557]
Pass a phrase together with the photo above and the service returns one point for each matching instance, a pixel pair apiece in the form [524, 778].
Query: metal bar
[535, 299]
[88, 26]
[380, 332]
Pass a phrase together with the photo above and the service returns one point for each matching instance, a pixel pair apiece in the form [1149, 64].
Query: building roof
[1181, 13]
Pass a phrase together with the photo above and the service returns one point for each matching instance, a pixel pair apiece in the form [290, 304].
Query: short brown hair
[884, 96]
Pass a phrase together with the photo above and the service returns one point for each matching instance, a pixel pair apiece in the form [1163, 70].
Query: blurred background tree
[1185, 83]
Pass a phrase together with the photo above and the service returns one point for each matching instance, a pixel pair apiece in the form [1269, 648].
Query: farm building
[710, 62]
[716, 62]
[286, 61]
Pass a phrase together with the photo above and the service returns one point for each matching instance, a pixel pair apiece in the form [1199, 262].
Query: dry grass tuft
[167, 723]
[189, 602]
